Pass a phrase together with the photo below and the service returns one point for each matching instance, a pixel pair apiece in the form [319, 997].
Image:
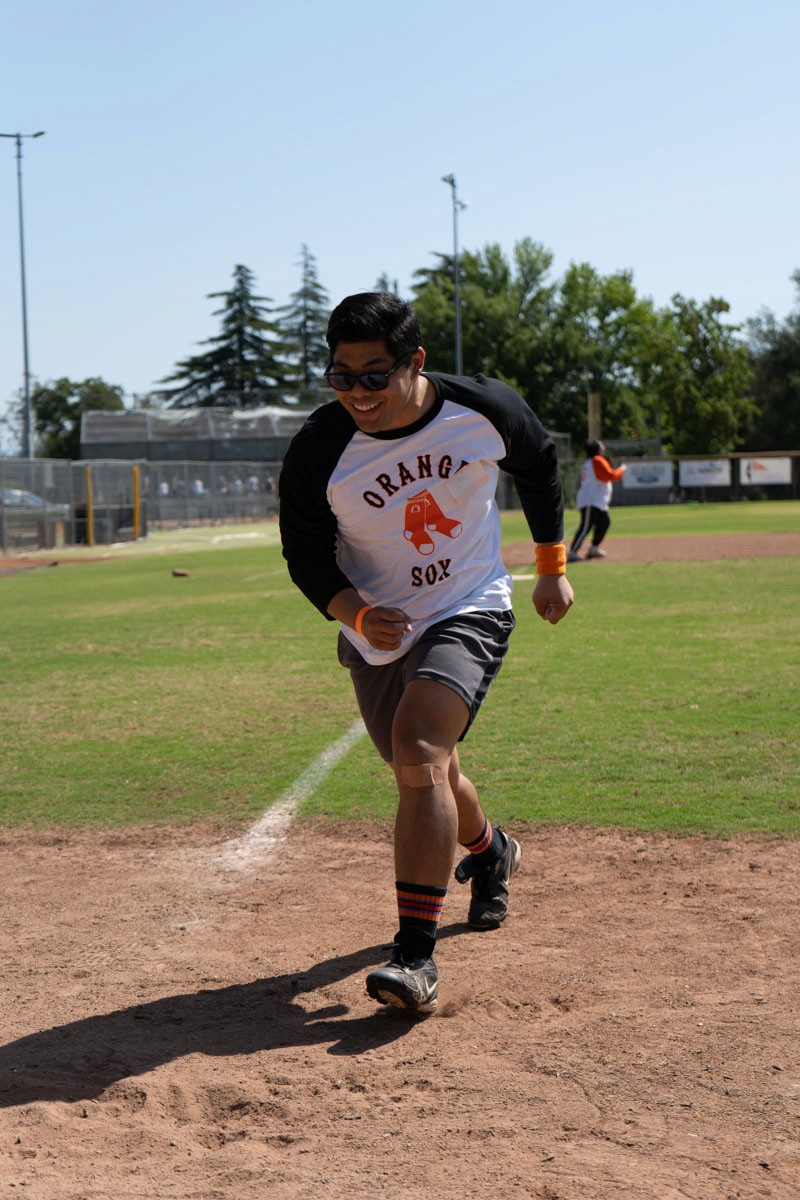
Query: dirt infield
[173, 1031]
[680, 549]
[173, 1027]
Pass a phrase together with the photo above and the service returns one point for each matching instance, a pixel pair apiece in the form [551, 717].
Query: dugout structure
[191, 435]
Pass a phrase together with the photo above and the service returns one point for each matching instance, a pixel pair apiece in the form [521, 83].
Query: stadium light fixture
[458, 205]
[27, 424]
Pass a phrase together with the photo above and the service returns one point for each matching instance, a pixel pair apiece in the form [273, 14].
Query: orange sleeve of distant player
[604, 471]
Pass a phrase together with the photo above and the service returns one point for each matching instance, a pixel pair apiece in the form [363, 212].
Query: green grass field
[665, 520]
[668, 699]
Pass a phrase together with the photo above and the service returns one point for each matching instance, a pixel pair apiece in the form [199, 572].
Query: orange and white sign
[754, 472]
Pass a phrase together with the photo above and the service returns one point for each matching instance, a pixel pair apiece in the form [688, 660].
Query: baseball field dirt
[175, 1025]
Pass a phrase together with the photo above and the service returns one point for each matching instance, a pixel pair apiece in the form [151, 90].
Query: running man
[390, 526]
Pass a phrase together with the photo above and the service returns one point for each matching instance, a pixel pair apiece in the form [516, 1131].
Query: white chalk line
[260, 839]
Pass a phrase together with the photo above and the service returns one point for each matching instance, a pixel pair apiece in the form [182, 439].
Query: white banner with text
[713, 472]
[648, 474]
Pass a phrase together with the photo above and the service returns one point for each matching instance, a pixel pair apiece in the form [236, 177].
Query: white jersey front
[408, 517]
[411, 523]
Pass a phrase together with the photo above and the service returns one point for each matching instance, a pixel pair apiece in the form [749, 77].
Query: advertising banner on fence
[648, 474]
[713, 472]
[757, 471]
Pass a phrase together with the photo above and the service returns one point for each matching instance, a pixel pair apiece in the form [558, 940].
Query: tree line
[681, 374]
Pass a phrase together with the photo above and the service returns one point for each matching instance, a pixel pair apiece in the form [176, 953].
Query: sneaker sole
[383, 993]
[383, 996]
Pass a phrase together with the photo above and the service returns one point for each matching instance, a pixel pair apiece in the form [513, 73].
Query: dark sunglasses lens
[376, 381]
[340, 383]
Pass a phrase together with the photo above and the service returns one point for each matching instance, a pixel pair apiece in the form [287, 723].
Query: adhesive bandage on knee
[420, 775]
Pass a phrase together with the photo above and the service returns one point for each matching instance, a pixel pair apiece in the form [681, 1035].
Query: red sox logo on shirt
[424, 516]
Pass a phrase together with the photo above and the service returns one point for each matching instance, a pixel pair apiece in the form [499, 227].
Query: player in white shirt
[390, 526]
[594, 500]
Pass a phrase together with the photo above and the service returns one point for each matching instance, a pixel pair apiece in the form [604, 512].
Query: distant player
[390, 526]
[594, 501]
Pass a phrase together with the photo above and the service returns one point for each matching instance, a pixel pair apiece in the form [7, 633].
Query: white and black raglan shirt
[408, 517]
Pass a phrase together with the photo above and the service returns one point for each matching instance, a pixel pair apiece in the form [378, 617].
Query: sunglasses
[373, 381]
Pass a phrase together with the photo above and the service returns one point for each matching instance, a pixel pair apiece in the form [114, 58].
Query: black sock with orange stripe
[419, 908]
[486, 849]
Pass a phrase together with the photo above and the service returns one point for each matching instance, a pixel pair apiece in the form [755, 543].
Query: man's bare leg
[429, 720]
[471, 817]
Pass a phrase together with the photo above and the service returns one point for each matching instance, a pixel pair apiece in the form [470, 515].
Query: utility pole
[593, 420]
[27, 419]
[458, 205]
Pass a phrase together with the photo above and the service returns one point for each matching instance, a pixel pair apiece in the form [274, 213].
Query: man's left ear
[418, 361]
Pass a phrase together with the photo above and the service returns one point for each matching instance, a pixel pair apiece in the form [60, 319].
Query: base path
[697, 548]
[172, 1030]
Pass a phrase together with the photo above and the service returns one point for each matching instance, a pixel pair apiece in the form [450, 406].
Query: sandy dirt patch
[677, 549]
[175, 1029]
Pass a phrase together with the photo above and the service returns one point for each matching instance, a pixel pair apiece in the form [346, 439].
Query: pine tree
[303, 323]
[384, 284]
[243, 369]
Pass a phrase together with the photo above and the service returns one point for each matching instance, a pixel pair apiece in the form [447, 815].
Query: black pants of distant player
[595, 521]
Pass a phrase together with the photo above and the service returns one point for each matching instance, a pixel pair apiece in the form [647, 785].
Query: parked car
[28, 503]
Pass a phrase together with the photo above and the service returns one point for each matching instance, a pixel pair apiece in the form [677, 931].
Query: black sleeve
[307, 524]
[531, 460]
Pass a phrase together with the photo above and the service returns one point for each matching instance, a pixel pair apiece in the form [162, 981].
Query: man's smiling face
[401, 402]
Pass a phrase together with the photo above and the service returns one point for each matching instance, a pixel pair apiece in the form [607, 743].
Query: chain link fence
[36, 504]
[48, 503]
[191, 493]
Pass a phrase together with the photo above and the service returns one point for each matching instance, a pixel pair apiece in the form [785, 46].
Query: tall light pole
[458, 205]
[27, 424]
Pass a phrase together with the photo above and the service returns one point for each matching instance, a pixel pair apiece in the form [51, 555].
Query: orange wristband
[551, 560]
[360, 617]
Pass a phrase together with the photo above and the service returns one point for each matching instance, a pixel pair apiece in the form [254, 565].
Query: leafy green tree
[597, 333]
[699, 378]
[553, 342]
[775, 356]
[433, 300]
[58, 408]
[243, 369]
[11, 424]
[504, 311]
[303, 323]
[680, 372]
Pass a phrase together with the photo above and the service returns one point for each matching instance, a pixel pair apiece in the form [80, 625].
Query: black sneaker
[408, 983]
[489, 905]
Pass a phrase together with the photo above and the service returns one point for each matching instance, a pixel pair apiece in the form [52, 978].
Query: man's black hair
[594, 448]
[375, 317]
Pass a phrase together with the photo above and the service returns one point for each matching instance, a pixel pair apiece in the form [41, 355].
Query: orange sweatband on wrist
[551, 560]
[360, 617]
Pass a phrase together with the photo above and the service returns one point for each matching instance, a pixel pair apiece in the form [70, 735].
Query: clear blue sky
[185, 137]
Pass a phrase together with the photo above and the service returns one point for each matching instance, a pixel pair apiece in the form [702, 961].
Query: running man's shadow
[78, 1061]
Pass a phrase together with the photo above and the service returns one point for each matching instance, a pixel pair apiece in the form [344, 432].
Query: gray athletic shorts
[464, 653]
